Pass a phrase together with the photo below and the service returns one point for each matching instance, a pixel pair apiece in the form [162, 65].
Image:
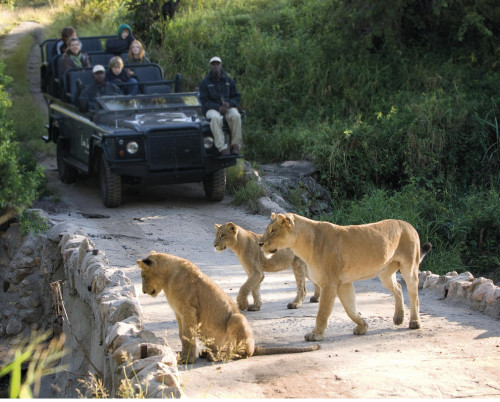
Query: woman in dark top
[137, 54]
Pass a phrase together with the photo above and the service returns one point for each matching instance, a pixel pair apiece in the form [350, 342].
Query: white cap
[98, 68]
[215, 58]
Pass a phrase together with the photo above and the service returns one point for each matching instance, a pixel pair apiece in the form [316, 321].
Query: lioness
[245, 245]
[337, 256]
[202, 310]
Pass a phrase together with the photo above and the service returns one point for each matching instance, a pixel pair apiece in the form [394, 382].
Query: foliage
[248, 195]
[41, 359]
[20, 177]
[464, 232]
[32, 222]
[102, 13]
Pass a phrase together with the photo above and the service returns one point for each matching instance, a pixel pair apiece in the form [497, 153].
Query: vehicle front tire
[67, 174]
[215, 185]
[110, 183]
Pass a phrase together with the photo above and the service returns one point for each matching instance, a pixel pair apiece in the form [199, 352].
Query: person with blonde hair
[116, 74]
[137, 54]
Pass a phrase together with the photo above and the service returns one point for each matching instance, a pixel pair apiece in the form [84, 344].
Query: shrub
[20, 179]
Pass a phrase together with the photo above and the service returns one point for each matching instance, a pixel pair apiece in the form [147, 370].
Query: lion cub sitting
[245, 245]
[203, 310]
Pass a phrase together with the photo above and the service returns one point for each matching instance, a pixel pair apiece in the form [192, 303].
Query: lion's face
[225, 235]
[151, 283]
[276, 235]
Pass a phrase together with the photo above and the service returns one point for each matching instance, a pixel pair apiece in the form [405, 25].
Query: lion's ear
[285, 220]
[217, 226]
[144, 264]
[290, 220]
[273, 216]
[231, 226]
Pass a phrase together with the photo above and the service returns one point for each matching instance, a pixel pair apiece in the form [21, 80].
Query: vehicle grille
[175, 150]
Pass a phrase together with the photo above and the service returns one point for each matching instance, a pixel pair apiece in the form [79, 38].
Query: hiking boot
[235, 149]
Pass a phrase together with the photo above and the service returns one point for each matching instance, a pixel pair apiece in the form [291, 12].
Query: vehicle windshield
[143, 102]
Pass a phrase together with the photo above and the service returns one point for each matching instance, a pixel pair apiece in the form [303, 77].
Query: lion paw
[254, 307]
[415, 324]
[311, 337]
[360, 330]
[186, 359]
[242, 304]
[314, 299]
[293, 305]
[398, 318]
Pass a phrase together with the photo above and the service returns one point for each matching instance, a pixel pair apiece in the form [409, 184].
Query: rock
[482, 290]
[14, 327]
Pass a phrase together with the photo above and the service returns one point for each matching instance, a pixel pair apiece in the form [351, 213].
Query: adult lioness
[202, 310]
[336, 256]
[245, 245]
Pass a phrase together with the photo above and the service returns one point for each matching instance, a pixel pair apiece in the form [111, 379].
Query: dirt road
[455, 354]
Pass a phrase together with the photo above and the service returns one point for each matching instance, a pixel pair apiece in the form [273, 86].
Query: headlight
[208, 142]
[132, 147]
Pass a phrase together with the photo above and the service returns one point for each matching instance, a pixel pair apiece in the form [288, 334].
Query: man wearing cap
[220, 98]
[99, 87]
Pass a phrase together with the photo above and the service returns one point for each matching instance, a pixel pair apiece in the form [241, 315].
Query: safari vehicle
[157, 137]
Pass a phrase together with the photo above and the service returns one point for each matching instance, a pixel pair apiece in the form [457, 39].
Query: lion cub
[202, 310]
[245, 245]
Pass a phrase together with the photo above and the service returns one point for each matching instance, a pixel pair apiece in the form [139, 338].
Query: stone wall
[59, 282]
[463, 289]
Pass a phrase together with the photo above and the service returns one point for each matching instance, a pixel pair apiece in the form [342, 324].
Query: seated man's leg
[234, 120]
[216, 127]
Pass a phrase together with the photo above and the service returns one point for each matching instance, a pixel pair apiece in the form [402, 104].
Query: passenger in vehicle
[62, 43]
[121, 44]
[137, 54]
[220, 98]
[119, 75]
[74, 57]
[99, 87]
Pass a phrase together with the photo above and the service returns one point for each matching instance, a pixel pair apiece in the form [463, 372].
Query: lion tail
[261, 351]
[426, 247]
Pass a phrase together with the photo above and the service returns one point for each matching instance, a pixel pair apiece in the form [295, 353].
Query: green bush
[20, 177]
[464, 232]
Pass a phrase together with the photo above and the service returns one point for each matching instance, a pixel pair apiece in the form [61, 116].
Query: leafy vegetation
[40, 357]
[20, 177]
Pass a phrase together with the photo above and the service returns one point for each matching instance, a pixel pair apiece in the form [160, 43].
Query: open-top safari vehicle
[156, 137]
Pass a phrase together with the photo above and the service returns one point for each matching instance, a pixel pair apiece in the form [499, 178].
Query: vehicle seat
[75, 80]
[91, 44]
[148, 75]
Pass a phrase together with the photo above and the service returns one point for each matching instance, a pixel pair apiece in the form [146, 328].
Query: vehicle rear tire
[110, 183]
[215, 185]
[67, 174]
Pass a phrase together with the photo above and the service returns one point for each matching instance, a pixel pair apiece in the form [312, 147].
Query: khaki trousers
[233, 118]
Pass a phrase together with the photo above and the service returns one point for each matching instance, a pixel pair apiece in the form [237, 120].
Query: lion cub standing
[245, 245]
[203, 310]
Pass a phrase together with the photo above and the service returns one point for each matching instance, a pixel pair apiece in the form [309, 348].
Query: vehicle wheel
[111, 185]
[215, 185]
[67, 174]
